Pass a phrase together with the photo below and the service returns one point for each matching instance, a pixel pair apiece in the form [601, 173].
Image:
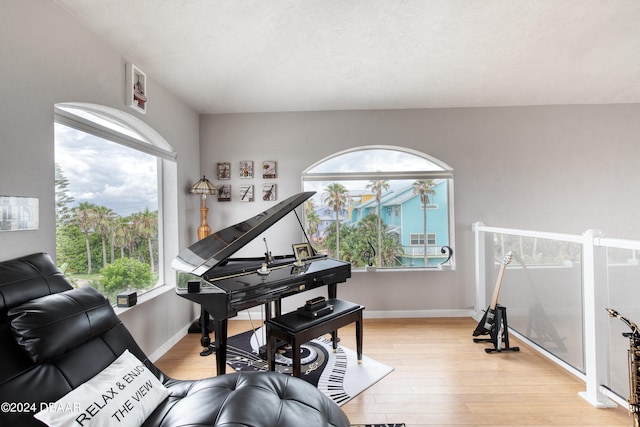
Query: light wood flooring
[441, 378]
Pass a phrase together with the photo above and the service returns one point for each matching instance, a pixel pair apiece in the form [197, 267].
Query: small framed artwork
[269, 192]
[223, 170]
[246, 169]
[269, 169]
[19, 213]
[246, 193]
[301, 251]
[136, 84]
[224, 193]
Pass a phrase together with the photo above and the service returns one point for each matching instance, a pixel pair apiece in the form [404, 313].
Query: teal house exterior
[403, 213]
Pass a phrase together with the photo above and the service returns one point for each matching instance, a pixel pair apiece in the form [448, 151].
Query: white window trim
[445, 173]
[156, 145]
[84, 125]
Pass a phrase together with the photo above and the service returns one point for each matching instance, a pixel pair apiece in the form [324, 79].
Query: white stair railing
[595, 367]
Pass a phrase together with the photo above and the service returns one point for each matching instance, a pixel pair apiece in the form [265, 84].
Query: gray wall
[553, 168]
[46, 57]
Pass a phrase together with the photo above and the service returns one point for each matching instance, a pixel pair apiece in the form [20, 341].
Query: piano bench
[296, 329]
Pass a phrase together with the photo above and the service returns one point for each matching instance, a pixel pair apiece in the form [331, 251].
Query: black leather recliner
[53, 338]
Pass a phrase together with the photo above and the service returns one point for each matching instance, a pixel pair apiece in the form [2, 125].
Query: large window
[108, 201]
[369, 208]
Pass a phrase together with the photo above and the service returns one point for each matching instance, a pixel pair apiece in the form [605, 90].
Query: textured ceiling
[223, 56]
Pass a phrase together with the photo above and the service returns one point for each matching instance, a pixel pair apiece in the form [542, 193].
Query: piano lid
[214, 249]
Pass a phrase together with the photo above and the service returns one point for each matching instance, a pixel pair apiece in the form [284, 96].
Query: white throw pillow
[123, 394]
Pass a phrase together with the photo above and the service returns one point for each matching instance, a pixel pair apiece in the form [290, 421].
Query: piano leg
[205, 341]
[273, 308]
[278, 306]
[267, 311]
[220, 330]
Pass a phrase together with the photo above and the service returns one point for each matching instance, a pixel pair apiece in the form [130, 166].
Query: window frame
[146, 144]
[445, 173]
[149, 142]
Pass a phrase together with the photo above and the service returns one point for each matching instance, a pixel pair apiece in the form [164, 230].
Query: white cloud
[106, 173]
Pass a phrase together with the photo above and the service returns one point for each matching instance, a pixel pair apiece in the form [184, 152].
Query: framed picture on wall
[19, 213]
[224, 193]
[246, 169]
[269, 169]
[246, 193]
[136, 84]
[223, 170]
[269, 192]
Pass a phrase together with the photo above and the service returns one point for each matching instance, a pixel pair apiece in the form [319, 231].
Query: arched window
[109, 210]
[394, 206]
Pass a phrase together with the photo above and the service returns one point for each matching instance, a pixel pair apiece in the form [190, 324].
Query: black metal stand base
[499, 333]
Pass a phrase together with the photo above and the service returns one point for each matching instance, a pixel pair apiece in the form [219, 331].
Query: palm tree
[351, 247]
[120, 236]
[103, 217]
[146, 224]
[392, 250]
[335, 195]
[378, 186]
[424, 188]
[311, 217]
[358, 241]
[128, 240]
[85, 218]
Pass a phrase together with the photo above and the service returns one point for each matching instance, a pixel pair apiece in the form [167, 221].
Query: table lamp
[203, 187]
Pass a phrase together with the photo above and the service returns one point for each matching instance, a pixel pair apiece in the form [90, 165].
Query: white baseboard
[389, 314]
[413, 314]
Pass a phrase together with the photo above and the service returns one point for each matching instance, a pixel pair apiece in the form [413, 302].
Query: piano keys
[229, 285]
[331, 381]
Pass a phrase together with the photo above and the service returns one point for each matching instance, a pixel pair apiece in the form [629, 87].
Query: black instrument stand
[499, 333]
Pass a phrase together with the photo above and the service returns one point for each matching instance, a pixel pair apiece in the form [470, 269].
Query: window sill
[147, 296]
[403, 270]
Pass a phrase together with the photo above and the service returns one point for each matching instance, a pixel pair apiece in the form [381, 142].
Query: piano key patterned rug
[337, 374]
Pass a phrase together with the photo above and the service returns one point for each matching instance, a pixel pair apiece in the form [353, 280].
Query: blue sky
[106, 173]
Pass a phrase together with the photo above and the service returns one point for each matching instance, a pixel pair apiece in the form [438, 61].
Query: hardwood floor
[442, 378]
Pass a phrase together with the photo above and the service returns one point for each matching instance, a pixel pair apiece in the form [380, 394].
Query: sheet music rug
[338, 375]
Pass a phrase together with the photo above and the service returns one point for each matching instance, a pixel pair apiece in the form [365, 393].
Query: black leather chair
[53, 338]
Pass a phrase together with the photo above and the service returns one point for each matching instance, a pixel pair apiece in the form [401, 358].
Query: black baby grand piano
[229, 285]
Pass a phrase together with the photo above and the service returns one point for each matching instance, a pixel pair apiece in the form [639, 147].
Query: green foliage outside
[538, 251]
[368, 241]
[102, 249]
[70, 248]
[126, 274]
[363, 237]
